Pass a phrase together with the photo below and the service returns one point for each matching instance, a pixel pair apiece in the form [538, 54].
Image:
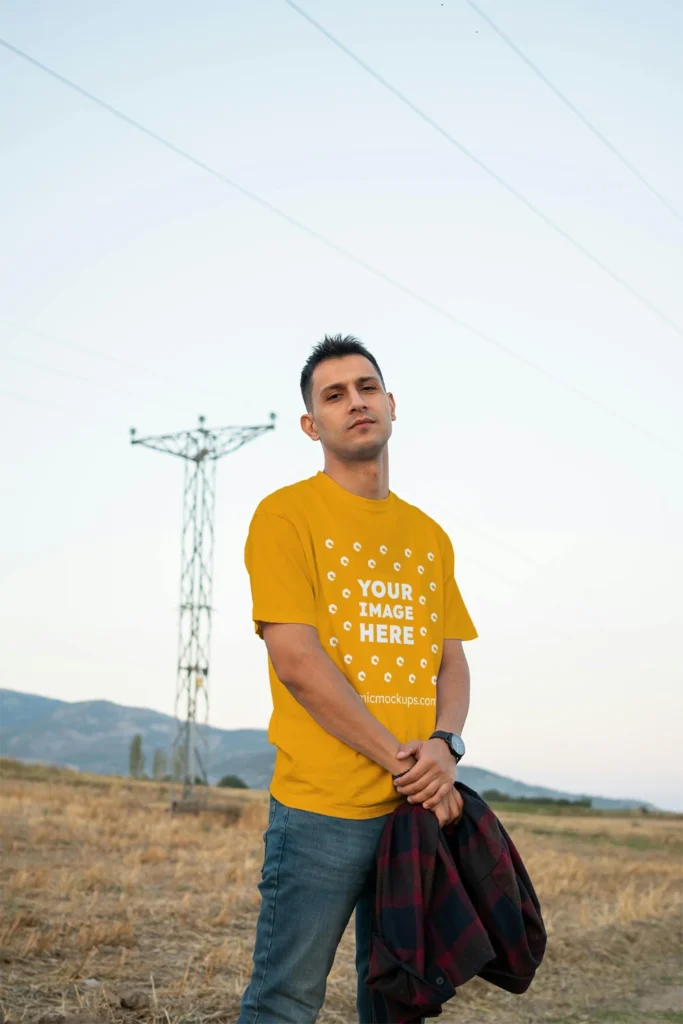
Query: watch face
[457, 745]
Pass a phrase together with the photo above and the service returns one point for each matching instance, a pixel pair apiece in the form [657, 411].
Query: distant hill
[94, 736]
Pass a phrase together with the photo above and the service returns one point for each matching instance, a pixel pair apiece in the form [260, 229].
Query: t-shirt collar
[375, 505]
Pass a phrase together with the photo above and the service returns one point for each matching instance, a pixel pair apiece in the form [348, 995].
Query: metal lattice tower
[201, 449]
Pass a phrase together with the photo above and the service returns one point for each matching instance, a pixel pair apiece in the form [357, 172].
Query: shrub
[233, 782]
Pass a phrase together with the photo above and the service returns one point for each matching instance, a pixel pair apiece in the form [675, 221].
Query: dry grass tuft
[107, 897]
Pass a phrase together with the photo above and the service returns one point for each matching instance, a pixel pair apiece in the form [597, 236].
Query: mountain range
[94, 736]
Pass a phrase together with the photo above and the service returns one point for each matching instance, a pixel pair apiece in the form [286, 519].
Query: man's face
[352, 413]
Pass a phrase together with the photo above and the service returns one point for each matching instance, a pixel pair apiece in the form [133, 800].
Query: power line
[181, 385]
[494, 572]
[255, 198]
[491, 538]
[88, 381]
[35, 401]
[41, 366]
[489, 170]
[51, 405]
[574, 109]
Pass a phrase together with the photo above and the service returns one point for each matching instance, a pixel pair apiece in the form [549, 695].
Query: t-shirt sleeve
[457, 622]
[280, 578]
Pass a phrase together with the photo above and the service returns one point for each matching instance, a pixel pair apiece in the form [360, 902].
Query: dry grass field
[108, 900]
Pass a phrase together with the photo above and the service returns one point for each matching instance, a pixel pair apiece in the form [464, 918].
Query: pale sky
[192, 299]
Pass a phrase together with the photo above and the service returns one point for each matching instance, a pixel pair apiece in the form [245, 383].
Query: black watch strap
[440, 734]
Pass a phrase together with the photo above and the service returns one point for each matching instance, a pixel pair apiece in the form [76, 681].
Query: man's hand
[432, 778]
[449, 809]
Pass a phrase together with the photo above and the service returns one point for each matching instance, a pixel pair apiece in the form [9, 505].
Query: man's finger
[440, 794]
[455, 816]
[428, 790]
[412, 776]
[413, 788]
[410, 749]
[423, 769]
[407, 787]
[445, 817]
[459, 807]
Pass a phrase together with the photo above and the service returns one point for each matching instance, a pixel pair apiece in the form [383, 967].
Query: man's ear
[308, 427]
[392, 405]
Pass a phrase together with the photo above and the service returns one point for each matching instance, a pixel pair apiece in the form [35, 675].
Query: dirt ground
[115, 911]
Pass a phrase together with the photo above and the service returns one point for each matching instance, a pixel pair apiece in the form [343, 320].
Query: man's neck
[366, 479]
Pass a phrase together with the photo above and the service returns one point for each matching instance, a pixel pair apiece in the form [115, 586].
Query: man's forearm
[319, 686]
[453, 694]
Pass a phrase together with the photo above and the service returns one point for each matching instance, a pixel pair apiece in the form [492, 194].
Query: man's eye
[369, 387]
[330, 397]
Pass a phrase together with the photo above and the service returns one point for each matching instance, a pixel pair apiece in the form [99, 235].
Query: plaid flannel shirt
[451, 903]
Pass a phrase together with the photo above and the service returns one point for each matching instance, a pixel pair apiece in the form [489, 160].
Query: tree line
[496, 796]
[160, 771]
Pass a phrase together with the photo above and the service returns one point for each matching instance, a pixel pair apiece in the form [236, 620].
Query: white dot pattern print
[376, 589]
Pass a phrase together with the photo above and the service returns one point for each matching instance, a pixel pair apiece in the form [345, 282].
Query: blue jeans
[316, 870]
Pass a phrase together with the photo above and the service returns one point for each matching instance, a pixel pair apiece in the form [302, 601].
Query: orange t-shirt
[376, 579]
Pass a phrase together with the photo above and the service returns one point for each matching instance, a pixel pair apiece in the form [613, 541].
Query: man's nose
[357, 399]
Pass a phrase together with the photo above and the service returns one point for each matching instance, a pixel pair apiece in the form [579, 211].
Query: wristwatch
[455, 743]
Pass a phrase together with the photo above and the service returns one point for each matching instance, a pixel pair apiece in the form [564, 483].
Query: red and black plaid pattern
[451, 904]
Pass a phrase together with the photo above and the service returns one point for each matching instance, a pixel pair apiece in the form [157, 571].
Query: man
[355, 597]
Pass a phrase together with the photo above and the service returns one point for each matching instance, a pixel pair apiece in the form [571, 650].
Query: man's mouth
[360, 423]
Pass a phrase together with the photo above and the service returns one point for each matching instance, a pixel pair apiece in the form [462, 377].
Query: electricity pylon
[201, 449]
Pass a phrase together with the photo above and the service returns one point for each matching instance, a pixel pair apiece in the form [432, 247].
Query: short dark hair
[333, 346]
